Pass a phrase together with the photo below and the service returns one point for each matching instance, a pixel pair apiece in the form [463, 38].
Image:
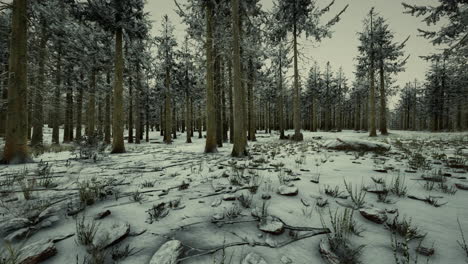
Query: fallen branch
[225, 192]
[209, 251]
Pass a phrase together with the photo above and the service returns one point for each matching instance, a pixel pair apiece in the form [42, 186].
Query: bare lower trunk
[231, 108]
[107, 118]
[383, 101]
[79, 111]
[137, 106]
[167, 112]
[210, 144]
[372, 127]
[38, 113]
[118, 145]
[188, 117]
[56, 113]
[297, 101]
[240, 137]
[91, 108]
[130, 109]
[16, 142]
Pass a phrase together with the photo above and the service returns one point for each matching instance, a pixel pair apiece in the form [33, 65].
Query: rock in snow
[271, 225]
[111, 234]
[167, 253]
[375, 215]
[37, 252]
[287, 190]
[253, 258]
[13, 224]
[356, 145]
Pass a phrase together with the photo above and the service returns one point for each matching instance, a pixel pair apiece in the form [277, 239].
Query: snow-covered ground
[152, 173]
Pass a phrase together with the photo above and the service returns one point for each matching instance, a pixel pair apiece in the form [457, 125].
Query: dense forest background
[93, 68]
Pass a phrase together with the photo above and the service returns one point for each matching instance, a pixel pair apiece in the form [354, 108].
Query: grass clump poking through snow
[357, 194]
[401, 251]
[463, 243]
[404, 228]
[398, 185]
[232, 212]
[43, 171]
[333, 192]
[86, 231]
[245, 200]
[342, 227]
[9, 254]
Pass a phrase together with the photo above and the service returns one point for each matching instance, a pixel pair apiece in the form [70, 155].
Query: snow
[168, 166]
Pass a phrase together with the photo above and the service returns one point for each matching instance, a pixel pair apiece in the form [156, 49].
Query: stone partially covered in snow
[37, 252]
[19, 234]
[288, 190]
[111, 234]
[286, 260]
[229, 197]
[167, 253]
[271, 225]
[253, 258]
[374, 214]
[356, 145]
[13, 224]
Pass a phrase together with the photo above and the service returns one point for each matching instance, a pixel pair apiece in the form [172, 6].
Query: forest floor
[157, 192]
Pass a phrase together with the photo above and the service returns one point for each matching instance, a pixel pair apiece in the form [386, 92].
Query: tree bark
[250, 94]
[297, 101]
[383, 101]
[240, 137]
[107, 118]
[118, 145]
[16, 142]
[372, 127]
[231, 106]
[210, 144]
[91, 108]
[56, 113]
[38, 113]
[130, 109]
[79, 110]
[167, 111]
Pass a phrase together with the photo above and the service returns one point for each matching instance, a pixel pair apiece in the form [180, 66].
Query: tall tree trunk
[225, 125]
[79, 110]
[167, 111]
[210, 144]
[297, 101]
[383, 101]
[100, 115]
[137, 96]
[251, 117]
[130, 109]
[4, 103]
[188, 117]
[107, 118]
[147, 115]
[218, 87]
[231, 105]
[281, 96]
[56, 113]
[118, 145]
[240, 137]
[16, 142]
[91, 108]
[372, 127]
[38, 113]
[200, 134]
[68, 131]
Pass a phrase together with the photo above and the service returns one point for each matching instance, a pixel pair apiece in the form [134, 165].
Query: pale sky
[341, 49]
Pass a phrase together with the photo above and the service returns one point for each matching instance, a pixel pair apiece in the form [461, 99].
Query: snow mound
[356, 145]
